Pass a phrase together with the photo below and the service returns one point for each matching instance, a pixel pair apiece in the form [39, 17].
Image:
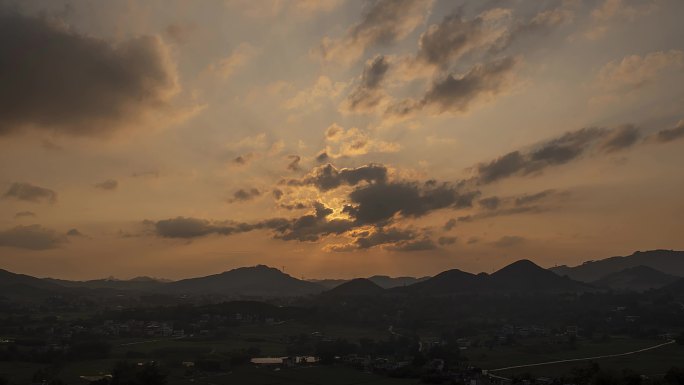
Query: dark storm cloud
[242, 160]
[670, 134]
[621, 138]
[509, 241]
[490, 203]
[185, 227]
[450, 224]
[527, 199]
[502, 167]
[109, 184]
[294, 162]
[307, 228]
[328, 177]
[182, 227]
[33, 237]
[381, 236]
[444, 241]
[422, 244]
[558, 151]
[322, 157]
[457, 93]
[55, 78]
[392, 239]
[74, 233]
[310, 228]
[277, 193]
[449, 39]
[377, 203]
[30, 193]
[383, 22]
[24, 214]
[368, 93]
[243, 195]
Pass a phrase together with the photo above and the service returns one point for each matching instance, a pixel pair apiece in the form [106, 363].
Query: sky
[337, 139]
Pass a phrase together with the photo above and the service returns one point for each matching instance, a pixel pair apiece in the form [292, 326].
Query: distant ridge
[523, 276]
[137, 283]
[356, 287]
[669, 261]
[639, 278]
[384, 281]
[450, 281]
[260, 280]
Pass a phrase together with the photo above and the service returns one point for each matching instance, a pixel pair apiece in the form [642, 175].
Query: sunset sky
[337, 138]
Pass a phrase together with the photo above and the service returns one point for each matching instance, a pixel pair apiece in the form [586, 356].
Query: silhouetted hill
[387, 282]
[384, 281]
[525, 276]
[447, 282]
[262, 281]
[520, 276]
[639, 278]
[138, 283]
[356, 287]
[7, 278]
[664, 260]
[328, 283]
[675, 289]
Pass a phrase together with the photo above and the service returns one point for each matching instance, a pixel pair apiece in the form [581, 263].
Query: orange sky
[337, 138]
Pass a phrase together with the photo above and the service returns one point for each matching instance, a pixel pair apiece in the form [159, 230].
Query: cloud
[610, 10]
[109, 184]
[75, 84]
[383, 22]
[448, 40]
[539, 24]
[242, 160]
[30, 193]
[620, 138]
[459, 93]
[380, 202]
[444, 241]
[33, 237]
[307, 228]
[312, 98]
[179, 32]
[310, 228]
[328, 177]
[322, 157]
[564, 149]
[490, 203]
[634, 72]
[24, 214]
[509, 241]
[294, 162]
[239, 58]
[450, 224]
[354, 142]
[74, 233]
[413, 245]
[670, 134]
[393, 239]
[243, 195]
[558, 151]
[527, 199]
[368, 93]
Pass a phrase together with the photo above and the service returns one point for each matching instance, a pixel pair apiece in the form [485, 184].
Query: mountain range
[637, 272]
[669, 261]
